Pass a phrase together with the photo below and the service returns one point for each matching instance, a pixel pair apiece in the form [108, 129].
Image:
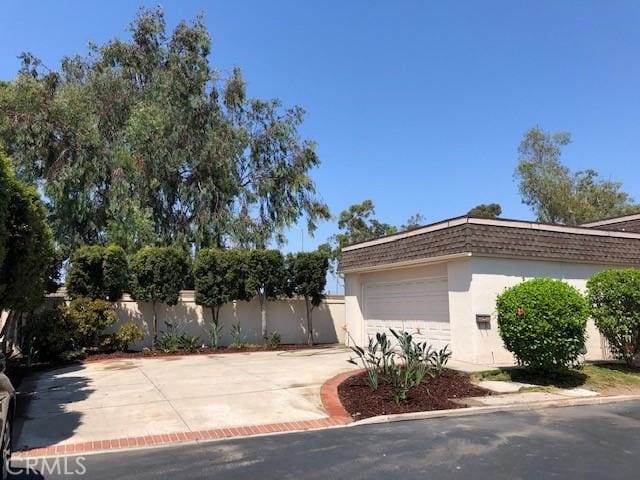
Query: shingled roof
[469, 236]
[626, 223]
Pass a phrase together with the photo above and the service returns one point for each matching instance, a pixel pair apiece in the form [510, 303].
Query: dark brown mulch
[433, 394]
[200, 351]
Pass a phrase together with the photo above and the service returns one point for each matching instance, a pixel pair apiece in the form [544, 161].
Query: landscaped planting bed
[432, 394]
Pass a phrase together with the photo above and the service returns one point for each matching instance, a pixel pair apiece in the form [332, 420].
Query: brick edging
[328, 394]
[330, 398]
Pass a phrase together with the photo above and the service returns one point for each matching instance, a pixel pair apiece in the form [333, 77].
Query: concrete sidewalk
[147, 397]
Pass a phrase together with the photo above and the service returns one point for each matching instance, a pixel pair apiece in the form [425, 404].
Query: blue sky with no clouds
[416, 105]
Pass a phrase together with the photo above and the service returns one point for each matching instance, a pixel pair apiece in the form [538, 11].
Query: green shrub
[47, 336]
[237, 338]
[403, 368]
[172, 340]
[273, 340]
[88, 319]
[98, 272]
[543, 323]
[128, 334]
[157, 275]
[614, 300]
[220, 277]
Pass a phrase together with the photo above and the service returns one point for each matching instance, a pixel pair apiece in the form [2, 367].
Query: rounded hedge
[614, 299]
[96, 272]
[543, 323]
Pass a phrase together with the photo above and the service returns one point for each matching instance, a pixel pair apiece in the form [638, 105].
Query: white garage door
[419, 306]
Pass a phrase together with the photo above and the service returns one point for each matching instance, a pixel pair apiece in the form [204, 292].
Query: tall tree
[220, 277]
[358, 224]
[157, 275]
[558, 195]
[486, 210]
[98, 272]
[266, 279]
[143, 133]
[5, 195]
[307, 277]
[414, 221]
[28, 247]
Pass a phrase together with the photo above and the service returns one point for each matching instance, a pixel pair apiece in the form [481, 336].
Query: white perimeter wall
[484, 279]
[287, 317]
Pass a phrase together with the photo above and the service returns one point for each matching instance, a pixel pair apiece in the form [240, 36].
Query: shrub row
[157, 274]
[543, 321]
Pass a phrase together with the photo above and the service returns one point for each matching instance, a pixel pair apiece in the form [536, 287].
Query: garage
[440, 282]
[418, 306]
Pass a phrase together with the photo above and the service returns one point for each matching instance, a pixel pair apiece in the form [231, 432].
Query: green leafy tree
[220, 277]
[414, 221]
[614, 298]
[543, 323]
[98, 272]
[6, 183]
[157, 275]
[486, 210]
[307, 277]
[28, 248]
[266, 280]
[140, 142]
[558, 195]
[358, 224]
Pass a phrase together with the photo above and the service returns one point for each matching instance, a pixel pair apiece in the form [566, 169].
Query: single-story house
[440, 282]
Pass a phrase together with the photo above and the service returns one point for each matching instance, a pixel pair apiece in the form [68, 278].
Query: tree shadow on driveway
[42, 416]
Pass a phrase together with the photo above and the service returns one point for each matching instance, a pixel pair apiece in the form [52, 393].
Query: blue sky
[416, 105]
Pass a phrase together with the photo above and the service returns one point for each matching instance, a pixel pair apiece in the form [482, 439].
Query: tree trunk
[309, 323]
[155, 325]
[263, 313]
[214, 316]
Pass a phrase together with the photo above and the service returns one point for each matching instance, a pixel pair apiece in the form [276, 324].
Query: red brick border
[328, 394]
[331, 399]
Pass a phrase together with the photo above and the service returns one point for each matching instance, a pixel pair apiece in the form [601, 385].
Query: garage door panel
[417, 306]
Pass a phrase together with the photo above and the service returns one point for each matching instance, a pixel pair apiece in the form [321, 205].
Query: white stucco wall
[491, 276]
[474, 284]
[286, 316]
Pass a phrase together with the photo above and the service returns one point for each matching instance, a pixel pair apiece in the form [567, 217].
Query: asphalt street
[588, 442]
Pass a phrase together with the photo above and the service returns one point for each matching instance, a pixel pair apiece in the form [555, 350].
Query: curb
[331, 399]
[171, 439]
[467, 411]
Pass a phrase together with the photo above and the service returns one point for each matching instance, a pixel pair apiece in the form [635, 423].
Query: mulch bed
[433, 394]
[99, 356]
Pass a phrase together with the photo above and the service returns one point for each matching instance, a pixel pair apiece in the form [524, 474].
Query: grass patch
[608, 379]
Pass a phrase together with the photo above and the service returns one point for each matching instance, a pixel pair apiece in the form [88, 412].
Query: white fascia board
[497, 223]
[407, 264]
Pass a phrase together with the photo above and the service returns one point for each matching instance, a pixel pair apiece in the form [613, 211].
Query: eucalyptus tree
[558, 195]
[143, 142]
[486, 210]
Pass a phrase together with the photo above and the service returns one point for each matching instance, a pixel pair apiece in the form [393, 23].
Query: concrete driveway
[131, 398]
